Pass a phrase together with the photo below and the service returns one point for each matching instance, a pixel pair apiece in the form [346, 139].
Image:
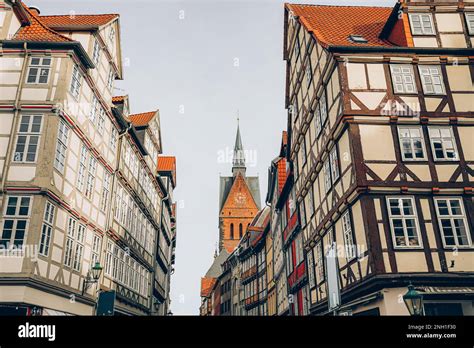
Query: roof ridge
[83, 14]
[339, 6]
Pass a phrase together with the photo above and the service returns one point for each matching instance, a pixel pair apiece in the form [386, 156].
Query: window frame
[28, 135]
[411, 16]
[422, 139]
[404, 217]
[40, 66]
[47, 228]
[348, 231]
[61, 146]
[470, 29]
[393, 74]
[451, 217]
[453, 141]
[76, 82]
[15, 218]
[440, 76]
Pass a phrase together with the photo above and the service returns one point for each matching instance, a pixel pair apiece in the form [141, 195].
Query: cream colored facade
[75, 179]
[356, 167]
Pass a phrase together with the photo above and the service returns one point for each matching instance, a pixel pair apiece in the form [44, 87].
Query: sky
[202, 63]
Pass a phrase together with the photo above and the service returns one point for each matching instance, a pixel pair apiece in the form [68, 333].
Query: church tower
[239, 199]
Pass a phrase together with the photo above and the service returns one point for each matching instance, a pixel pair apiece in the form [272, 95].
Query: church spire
[238, 162]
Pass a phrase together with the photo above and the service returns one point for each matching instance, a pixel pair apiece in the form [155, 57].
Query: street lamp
[92, 277]
[414, 301]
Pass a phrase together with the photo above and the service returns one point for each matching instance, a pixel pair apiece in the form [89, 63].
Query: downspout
[8, 158]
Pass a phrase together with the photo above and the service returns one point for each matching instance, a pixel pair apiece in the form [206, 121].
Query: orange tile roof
[332, 25]
[281, 173]
[118, 99]
[38, 31]
[207, 284]
[166, 163]
[142, 119]
[71, 21]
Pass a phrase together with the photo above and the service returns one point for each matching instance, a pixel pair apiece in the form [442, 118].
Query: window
[297, 48]
[113, 138]
[327, 175]
[82, 168]
[27, 141]
[470, 22]
[101, 121]
[317, 121]
[452, 222]
[350, 247]
[309, 258]
[310, 201]
[47, 228]
[38, 71]
[319, 262]
[323, 108]
[96, 245]
[334, 162]
[15, 221]
[302, 214]
[231, 231]
[240, 231]
[61, 146]
[299, 248]
[96, 52]
[309, 71]
[357, 39]
[443, 143]
[412, 145]
[74, 244]
[94, 109]
[421, 24]
[403, 79]
[104, 202]
[112, 35]
[303, 151]
[76, 82]
[431, 79]
[110, 79]
[403, 222]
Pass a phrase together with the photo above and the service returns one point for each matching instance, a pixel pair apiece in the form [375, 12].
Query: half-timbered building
[78, 173]
[380, 131]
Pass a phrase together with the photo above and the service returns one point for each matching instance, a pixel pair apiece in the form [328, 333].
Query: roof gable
[240, 196]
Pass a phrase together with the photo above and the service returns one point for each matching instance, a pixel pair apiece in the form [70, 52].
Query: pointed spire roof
[239, 155]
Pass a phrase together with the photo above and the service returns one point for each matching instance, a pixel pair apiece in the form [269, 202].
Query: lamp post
[414, 301]
[92, 277]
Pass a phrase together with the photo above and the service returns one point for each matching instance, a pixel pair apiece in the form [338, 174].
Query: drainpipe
[16, 117]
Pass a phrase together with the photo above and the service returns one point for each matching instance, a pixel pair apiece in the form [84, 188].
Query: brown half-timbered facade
[380, 130]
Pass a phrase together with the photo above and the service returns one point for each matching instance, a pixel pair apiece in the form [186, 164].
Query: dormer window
[421, 24]
[357, 39]
[470, 22]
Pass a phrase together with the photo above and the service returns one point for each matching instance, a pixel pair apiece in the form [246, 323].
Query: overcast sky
[199, 61]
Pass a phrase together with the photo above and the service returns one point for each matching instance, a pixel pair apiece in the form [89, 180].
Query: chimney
[35, 10]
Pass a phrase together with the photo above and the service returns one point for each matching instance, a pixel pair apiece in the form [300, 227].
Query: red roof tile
[38, 31]
[281, 173]
[141, 119]
[166, 163]
[332, 25]
[207, 284]
[118, 99]
[72, 21]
